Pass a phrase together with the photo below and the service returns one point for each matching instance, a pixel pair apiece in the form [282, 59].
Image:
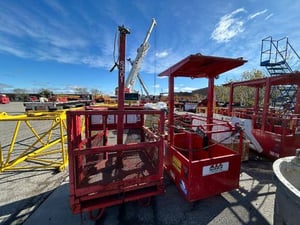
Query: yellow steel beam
[40, 147]
[1, 156]
[23, 157]
[13, 141]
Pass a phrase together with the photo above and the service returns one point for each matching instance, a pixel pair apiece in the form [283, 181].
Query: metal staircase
[279, 57]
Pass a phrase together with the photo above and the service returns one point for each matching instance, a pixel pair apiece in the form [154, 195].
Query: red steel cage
[113, 156]
[199, 165]
[276, 132]
[203, 167]
[103, 172]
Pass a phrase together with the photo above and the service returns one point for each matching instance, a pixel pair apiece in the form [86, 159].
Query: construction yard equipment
[272, 131]
[105, 173]
[113, 157]
[4, 99]
[136, 64]
[55, 105]
[44, 148]
[200, 166]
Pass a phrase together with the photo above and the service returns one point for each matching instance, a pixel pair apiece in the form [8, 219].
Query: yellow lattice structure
[33, 140]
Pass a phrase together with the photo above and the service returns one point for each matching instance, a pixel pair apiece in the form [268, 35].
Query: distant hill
[202, 91]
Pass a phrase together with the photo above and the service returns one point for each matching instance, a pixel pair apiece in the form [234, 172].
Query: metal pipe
[121, 95]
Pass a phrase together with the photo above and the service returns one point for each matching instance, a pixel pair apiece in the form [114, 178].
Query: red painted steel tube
[210, 100]
[171, 109]
[266, 104]
[230, 99]
[256, 100]
[123, 31]
[297, 104]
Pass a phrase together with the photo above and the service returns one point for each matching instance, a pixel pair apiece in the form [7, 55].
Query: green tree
[45, 93]
[21, 94]
[251, 75]
[222, 93]
[81, 91]
[95, 92]
[243, 94]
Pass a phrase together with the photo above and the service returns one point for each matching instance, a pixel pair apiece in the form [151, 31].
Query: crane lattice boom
[136, 64]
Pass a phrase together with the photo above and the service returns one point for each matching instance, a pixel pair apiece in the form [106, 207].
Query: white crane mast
[136, 64]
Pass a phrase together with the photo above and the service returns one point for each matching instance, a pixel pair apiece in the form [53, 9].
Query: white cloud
[228, 27]
[162, 54]
[252, 16]
[65, 41]
[154, 64]
[48, 38]
[269, 16]
[10, 48]
[2, 85]
[55, 6]
[182, 88]
[188, 89]
[95, 61]
[164, 77]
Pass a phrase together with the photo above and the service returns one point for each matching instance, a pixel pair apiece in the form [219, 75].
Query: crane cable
[155, 53]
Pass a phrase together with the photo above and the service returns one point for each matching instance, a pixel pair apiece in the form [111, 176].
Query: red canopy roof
[199, 66]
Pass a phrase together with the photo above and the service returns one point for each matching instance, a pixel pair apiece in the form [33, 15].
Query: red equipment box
[4, 99]
[200, 172]
[200, 166]
[104, 173]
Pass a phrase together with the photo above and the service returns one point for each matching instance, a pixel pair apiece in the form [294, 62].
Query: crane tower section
[136, 64]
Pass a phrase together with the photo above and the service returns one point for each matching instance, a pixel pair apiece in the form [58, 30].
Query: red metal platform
[203, 167]
[113, 157]
[103, 172]
[200, 166]
[276, 130]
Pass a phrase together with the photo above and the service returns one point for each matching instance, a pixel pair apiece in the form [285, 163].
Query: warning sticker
[215, 168]
[176, 163]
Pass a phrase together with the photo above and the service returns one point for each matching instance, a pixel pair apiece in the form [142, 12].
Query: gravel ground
[21, 193]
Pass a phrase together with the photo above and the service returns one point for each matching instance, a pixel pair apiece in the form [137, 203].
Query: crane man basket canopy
[199, 165]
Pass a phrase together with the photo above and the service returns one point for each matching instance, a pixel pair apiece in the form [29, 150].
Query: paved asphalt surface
[41, 197]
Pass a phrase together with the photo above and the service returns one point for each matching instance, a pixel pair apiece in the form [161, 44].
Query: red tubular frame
[277, 133]
[103, 172]
[112, 189]
[192, 167]
[199, 166]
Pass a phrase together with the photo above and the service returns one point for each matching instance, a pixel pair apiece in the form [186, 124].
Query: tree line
[242, 94]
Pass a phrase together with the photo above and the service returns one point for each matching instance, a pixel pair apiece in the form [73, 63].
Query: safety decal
[215, 168]
[176, 163]
[183, 186]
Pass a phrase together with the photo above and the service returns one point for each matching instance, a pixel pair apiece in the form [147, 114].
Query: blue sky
[64, 45]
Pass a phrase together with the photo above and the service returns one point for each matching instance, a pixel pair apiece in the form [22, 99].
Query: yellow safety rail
[38, 140]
